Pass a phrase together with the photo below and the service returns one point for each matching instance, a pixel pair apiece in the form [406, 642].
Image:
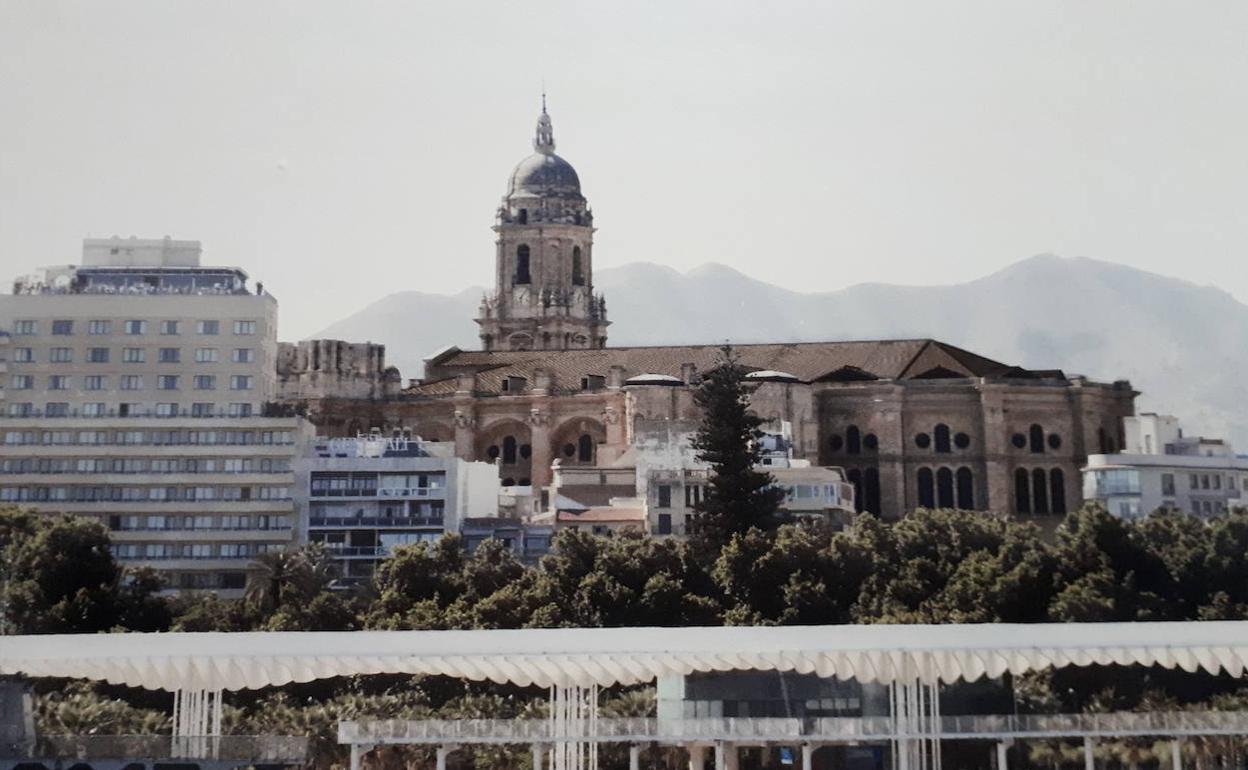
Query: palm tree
[276, 577]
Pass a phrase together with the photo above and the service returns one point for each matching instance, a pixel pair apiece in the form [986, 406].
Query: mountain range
[1182, 345]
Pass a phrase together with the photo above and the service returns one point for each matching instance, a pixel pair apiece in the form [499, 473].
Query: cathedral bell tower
[544, 292]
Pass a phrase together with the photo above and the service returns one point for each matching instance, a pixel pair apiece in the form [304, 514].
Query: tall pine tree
[739, 496]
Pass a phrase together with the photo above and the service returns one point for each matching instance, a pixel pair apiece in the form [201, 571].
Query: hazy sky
[340, 151]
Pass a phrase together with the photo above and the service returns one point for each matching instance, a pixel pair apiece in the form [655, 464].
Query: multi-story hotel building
[134, 387]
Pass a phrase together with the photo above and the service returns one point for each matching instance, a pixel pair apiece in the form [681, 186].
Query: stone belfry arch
[543, 295]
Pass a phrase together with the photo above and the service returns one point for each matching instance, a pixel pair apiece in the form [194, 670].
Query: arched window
[854, 476]
[927, 490]
[522, 264]
[944, 488]
[1036, 434]
[524, 217]
[1057, 490]
[871, 486]
[1040, 490]
[585, 448]
[578, 270]
[853, 440]
[509, 450]
[941, 435]
[1022, 491]
[966, 489]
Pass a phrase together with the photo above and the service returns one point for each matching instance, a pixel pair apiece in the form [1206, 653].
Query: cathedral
[913, 422]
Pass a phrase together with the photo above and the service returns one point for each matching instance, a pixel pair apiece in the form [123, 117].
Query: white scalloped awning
[604, 656]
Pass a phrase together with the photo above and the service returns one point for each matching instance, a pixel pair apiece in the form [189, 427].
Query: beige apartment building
[134, 389]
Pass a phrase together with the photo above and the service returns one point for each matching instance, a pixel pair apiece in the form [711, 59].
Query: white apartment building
[363, 496]
[1162, 468]
[133, 389]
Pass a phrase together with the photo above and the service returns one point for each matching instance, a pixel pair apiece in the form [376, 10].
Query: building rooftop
[917, 359]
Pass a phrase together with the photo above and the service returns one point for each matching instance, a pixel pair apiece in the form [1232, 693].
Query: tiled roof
[808, 361]
[604, 513]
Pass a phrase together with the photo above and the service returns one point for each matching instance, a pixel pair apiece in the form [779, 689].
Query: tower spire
[544, 141]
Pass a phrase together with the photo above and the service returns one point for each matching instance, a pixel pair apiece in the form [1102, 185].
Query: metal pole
[1089, 761]
[1003, 756]
[355, 756]
[634, 757]
[1176, 754]
[808, 753]
[442, 752]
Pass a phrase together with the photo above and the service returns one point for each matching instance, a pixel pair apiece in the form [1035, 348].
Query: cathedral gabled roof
[806, 361]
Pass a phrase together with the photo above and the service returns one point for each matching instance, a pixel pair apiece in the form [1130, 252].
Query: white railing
[829, 729]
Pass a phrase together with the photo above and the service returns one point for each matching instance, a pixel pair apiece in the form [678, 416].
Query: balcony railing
[376, 521]
[246, 749]
[876, 728]
[380, 492]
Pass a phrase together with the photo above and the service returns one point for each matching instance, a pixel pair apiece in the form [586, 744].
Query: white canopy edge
[606, 656]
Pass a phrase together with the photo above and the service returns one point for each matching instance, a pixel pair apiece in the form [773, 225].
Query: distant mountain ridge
[1183, 345]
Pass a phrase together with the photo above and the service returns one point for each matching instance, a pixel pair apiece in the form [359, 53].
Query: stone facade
[316, 369]
[913, 422]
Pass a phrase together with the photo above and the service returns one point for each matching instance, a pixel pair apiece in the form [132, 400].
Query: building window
[922, 440]
[853, 440]
[1194, 481]
[1039, 491]
[26, 327]
[240, 410]
[93, 409]
[167, 382]
[61, 355]
[170, 355]
[169, 328]
[94, 382]
[871, 490]
[205, 382]
[509, 450]
[1057, 490]
[244, 327]
[206, 355]
[133, 355]
[244, 355]
[585, 449]
[21, 382]
[944, 488]
[62, 327]
[665, 523]
[1036, 440]
[131, 382]
[135, 327]
[99, 327]
[578, 270]
[966, 489]
[941, 435]
[58, 382]
[21, 410]
[522, 265]
[523, 217]
[201, 410]
[240, 382]
[665, 496]
[208, 327]
[56, 409]
[97, 355]
[24, 355]
[1022, 491]
[1055, 442]
[927, 489]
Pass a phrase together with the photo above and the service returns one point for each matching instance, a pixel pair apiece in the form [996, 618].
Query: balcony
[402, 492]
[241, 749]
[377, 521]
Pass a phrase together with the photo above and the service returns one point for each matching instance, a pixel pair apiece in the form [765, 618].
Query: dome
[544, 175]
[770, 375]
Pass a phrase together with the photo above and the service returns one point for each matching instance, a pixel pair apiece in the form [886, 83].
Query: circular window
[922, 441]
[525, 450]
[569, 449]
[961, 441]
[836, 443]
[492, 452]
[870, 442]
[1055, 441]
[1019, 440]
